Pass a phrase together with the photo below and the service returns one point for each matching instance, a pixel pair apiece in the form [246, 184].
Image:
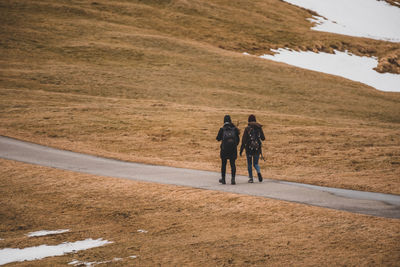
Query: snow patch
[342, 64]
[316, 19]
[79, 263]
[8, 255]
[92, 263]
[361, 18]
[85, 263]
[46, 232]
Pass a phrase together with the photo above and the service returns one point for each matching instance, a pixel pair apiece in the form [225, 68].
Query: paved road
[383, 205]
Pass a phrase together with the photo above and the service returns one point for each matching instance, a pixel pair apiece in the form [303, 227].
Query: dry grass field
[150, 81]
[331, 152]
[186, 227]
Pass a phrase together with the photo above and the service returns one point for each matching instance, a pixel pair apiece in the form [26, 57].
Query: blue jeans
[252, 159]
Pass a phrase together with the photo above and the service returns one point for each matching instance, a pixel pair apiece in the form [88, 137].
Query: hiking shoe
[251, 180]
[233, 181]
[222, 181]
[260, 179]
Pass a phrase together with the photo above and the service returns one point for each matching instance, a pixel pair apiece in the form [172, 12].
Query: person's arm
[219, 136]
[262, 136]
[237, 136]
[244, 140]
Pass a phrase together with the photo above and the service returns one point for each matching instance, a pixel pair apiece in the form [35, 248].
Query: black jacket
[224, 154]
[246, 138]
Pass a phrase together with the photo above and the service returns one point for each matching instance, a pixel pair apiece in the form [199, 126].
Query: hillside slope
[150, 81]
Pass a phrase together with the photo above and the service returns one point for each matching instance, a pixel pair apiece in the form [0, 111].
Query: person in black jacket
[229, 135]
[251, 141]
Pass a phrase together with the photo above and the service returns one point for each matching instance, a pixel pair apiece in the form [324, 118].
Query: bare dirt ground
[185, 226]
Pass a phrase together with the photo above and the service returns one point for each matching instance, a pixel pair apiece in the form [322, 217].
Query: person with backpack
[251, 142]
[229, 135]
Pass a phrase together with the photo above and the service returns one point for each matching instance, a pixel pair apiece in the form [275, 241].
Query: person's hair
[252, 118]
[227, 118]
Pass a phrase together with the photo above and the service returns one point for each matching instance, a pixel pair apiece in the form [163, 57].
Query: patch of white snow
[80, 263]
[316, 19]
[92, 263]
[361, 18]
[46, 232]
[8, 255]
[341, 64]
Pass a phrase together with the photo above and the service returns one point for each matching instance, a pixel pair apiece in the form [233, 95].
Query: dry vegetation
[150, 81]
[392, 2]
[189, 227]
[332, 152]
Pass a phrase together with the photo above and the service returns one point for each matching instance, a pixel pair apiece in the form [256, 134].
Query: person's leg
[249, 167]
[257, 167]
[223, 170]
[233, 170]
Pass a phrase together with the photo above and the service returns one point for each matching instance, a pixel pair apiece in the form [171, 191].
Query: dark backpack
[229, 139]
[254, 141]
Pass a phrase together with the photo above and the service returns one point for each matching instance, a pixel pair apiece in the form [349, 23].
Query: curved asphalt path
[376, 204]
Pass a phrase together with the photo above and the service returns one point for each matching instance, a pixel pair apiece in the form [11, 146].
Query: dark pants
[223, 167]
[252, 160]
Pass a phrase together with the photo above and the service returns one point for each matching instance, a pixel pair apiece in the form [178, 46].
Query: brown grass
[185, 226]
[150, 81]
[147, 81]
[240, 26]
[393, 2]
[331, 152]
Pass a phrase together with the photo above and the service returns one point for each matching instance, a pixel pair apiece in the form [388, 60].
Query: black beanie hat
[252, 118]
[227, 118]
